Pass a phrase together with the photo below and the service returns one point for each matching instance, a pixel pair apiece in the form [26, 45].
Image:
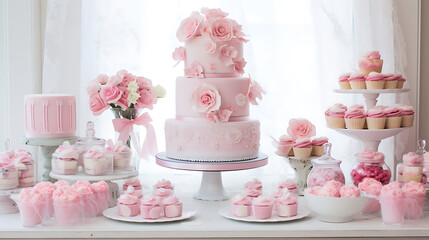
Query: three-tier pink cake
[212, 99]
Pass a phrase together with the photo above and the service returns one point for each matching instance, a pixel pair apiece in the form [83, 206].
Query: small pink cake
[349, 192]
[31, 206]
[392, 200]
[50, 116]
[121, 155]
[164, 184]
[302, 148]
[150, 207]
[97, 162]
[135, 182]
[172, 207]
[290, 185]
[414, 200]
[25, 165]
[391, 80]
[65, 159]
[241, 206]
[287, 206]
[262, 207]
[285, 146]
[67, 205]
[343, 81]
[46, 189]
[254, 184]
[128, 205]
[407, 113]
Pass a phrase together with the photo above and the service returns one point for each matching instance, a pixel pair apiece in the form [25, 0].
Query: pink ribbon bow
[125, 128]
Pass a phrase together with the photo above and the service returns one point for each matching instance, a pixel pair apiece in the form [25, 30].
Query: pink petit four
[135, 182]
[150, 207]
[164, 184]
[290, 185]
[287, 206]
[241, 206]
[262, 207]
[128, 205]
[172, 207]
[254, 184]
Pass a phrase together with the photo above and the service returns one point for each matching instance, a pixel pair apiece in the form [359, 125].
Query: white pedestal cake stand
[371, 95]
[211, 188]
[302, 167]
[7, 205]
[108, 178]
[47, 148]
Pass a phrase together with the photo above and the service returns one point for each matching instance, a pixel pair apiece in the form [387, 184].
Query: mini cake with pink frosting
[372, 188]
[335, 116]
[391, 80]
[317, 143]
[411, 169]
[128, 205]
[163, 183]
[241, 206]
[375, 80]
[31, 207]
[393, 117]
[67, 205]
[97, 162]
[414, 200]
[65, 159]
[392, 200]
[262, 207]
[285, 146]
[252, 193]
[172, 207]
[102, 195]
[121, 155]
[371, 62]
[355, 118]
[343, 81]
[25, 165]
[287, 206]
[376, 118]
[357, 81]
[135, 182]
[150, 207]
[162, 193]
[302, 148]
[290, 186]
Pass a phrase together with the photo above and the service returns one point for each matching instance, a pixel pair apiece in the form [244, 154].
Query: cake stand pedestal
[7, 205]
[108, 178]
[302, 167]
[211, 188]
[47, 148]
[371, 95]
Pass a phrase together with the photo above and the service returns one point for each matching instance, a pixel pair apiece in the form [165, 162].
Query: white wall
[424, 73]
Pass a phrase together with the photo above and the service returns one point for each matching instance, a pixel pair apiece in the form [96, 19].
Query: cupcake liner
[345, 85]
[390, 84]
[357, 84]
[376, 123]
[375, 84]
[411, 170]
[355, 123]
[334, 122]
[407, 120]
[400, 84]
[291, 152]
[393, 122]
[317, 151]
[409, 178]
[302, 152]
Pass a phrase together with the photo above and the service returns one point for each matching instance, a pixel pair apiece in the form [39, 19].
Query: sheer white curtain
[296, 51]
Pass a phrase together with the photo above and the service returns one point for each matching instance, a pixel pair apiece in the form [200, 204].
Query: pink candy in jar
[371, 165]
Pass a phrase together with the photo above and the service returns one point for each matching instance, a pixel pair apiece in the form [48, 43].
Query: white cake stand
[7, 205]
[371, 95]
[108, 178]
[371, 138]
[47, 148]
[302, 167]
[211, 188]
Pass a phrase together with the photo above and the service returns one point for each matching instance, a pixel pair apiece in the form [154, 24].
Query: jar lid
[371, 157]
[90, 139]
[421, 144]
[326, 158]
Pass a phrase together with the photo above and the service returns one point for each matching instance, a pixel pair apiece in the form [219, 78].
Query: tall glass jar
[370, 165]
[411, 168]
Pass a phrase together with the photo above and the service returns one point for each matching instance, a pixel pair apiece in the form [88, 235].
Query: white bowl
[332, 209]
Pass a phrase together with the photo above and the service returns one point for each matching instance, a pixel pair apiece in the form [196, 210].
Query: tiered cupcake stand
[211, 188]
[7, 205]
[371, 138]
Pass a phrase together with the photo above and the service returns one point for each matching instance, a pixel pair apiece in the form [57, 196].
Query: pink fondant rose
[301, 128]
[222, 29]
[255, 91]
[227, 53]
[97, 104]
[220, 115]
[213, 13]
[189, 27]
[234, 135]
[239, 65]
[111, 94]
[196, 70]
[179, 54]
[240, 99]
[206, 99]
[210, 46]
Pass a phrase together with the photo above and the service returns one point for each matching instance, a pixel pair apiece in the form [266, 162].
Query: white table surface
[209, 224]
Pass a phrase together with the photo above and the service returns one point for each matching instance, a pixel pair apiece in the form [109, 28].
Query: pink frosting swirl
[372, 55]
[375, 113]
[414, 189]
[335, 111]
[254, 184]
[302, 143]
[30, 194]
[151, 201]
[263, 201]
[358, 106]
[288, 184]
[371, 186]
[162, 192]
[94, 154]
[405, 109]
[67, 194]
[164, 184]
[392, 76]
[133, 182]
[349, 191]
[67, 151]
[375, 76]
[241, 200]
[392, 189]
[252, 192]
[358, 77]
[286, 140]
[354, 113]
[171, 200]
[392, 112]
[368, 156]
[402, 79]
[128, 199]
[287, 199]
[319, 141]
[100, 187]
[344, 77]
[412, 159]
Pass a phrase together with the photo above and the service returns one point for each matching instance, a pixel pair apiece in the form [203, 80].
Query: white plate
[112, 213]
[302, 213]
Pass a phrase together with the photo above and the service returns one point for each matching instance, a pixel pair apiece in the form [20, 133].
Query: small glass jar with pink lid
[325, 169]
[370, 164]
[89, 142]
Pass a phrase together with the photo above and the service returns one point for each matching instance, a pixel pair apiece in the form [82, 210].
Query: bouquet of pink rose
[126, 95]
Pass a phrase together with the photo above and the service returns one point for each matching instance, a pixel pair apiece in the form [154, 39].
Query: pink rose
[102, 78]
[179, 54]
[255, 91]
[123, 78]
[220, 115]
[210, 46]
[206, 99]
[93, 87]
[97, 104]
[146, 100]
[206, 28]
[144, 83]
[111, 94]
[239, 65]
[301, 128]
[213, 13]
[123, 101]
[189, 27]
[237, 32]
[114, 80]
[227, 53]
[222, 29]
[196, 70]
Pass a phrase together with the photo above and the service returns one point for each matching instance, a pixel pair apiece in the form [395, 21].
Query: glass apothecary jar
[370, 165]
[411, 168]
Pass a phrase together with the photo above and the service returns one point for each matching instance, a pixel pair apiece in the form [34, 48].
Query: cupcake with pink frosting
[164, 184]
[88, 200]
[287, 206]
[262, 207]
[302, 148]
[391, 80]
[392, 200]
[372, 188]
[254, 184]
[67, 205]
[401, 82]
[128, 205]
[241, 206]
[121, 155]
[290, 186]
[357, 81]
[414, 200]
[411, 169]
[370, 62]
[31, 206]
[376, 118]
[393, 117]
[343, 81]
[172, 207]
[46, 189]
[65, 159]
[375, 80]
[135, 182]
[335, 116]
[317, 143]
[407, 113]
[102, 195]
[355, 118]
[150, 207]
[285, 146]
